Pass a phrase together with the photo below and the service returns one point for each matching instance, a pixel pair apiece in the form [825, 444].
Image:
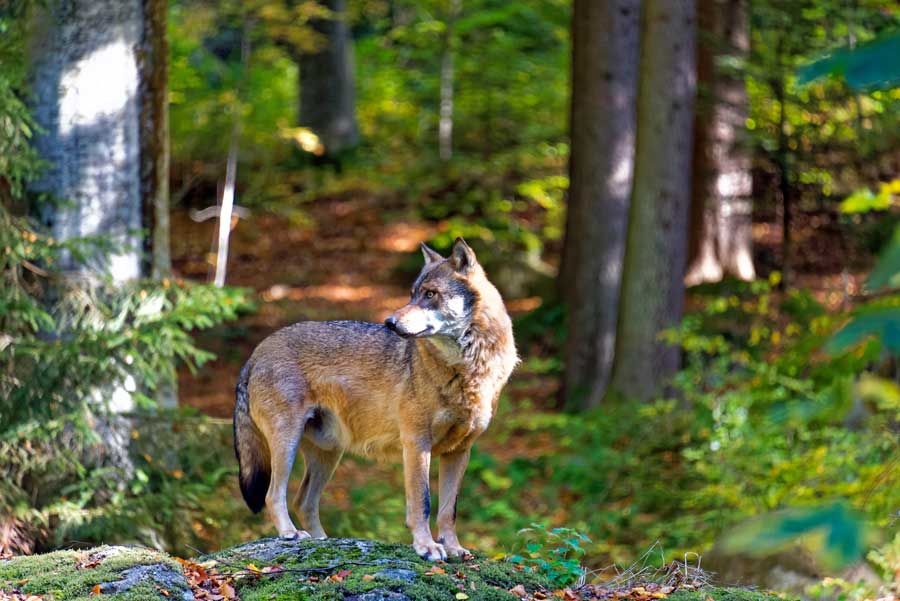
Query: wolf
[424, 383]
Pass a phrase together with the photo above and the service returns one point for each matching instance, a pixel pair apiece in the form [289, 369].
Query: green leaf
[873, 65]
[883, 324]
[843, 540]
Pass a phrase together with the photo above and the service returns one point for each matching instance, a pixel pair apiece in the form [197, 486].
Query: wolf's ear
[431, 255]
[463, 256]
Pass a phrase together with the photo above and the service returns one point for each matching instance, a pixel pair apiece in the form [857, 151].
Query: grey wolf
[424, 383]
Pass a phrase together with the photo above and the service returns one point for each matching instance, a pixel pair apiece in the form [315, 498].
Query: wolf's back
[250, 447]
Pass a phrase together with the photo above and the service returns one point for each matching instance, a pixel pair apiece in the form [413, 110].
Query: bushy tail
[250, 448]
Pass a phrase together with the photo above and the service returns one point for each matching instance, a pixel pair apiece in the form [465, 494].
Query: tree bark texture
[652, 297]
[327, 89]
[721, 208]
[154, 130]
[605, 49]
[86, 83]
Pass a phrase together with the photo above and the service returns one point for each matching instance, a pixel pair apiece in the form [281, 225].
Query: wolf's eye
[429, 294]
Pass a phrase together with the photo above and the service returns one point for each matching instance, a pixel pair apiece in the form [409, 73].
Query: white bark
[86, 76]
[445, 123]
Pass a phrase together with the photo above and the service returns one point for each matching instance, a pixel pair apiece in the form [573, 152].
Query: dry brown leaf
[518, 591]
[368, 577]
[95, 590]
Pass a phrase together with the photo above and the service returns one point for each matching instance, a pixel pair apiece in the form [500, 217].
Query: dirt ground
[339, 261]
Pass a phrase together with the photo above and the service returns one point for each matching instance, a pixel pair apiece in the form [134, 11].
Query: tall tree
[86, 84]
[98, 74]
[721, 207]
[445, 122]
[605, 48]
[154, 130]
[327, 91]
[652, 296]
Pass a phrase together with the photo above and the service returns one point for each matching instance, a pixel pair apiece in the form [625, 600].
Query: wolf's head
[443, 297]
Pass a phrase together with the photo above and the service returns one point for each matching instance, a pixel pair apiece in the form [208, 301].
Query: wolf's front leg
[451, 469]
[416, 462]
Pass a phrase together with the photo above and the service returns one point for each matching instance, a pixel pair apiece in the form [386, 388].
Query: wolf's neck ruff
[489, 354]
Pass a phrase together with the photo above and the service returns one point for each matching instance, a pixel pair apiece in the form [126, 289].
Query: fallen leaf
[95, 590]
[518, 591]
[462, 596]
[368, 578]
[539, 595]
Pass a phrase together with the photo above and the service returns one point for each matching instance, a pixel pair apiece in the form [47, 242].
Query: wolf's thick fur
[426, 382]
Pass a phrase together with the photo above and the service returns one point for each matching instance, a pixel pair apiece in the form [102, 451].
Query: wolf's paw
[430, 551]
[457, 551]
[295, 535]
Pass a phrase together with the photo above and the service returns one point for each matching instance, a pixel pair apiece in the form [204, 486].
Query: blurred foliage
[873, 65]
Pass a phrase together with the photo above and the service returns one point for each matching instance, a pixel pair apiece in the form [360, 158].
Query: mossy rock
[277, 569]
[366, 571]
[126, 573]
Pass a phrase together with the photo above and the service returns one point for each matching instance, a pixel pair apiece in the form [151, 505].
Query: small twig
[34, 269]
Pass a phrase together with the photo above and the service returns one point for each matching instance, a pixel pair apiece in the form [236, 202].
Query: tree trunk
[327, 92]
[652, 296]
[99, 77]
[86, 82]
[782, 159]
[605, 47]
[445, 122]
[154, 124]
[721, 207]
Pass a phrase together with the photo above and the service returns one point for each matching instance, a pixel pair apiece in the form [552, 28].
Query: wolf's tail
[250, 448]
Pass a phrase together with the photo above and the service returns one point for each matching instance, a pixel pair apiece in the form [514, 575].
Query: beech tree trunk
[721, 208]
[327, 90]
[605, 48]
[652, 295]
[86, 82]
[99, 76]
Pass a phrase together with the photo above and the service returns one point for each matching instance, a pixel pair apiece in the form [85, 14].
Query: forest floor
[340, 261]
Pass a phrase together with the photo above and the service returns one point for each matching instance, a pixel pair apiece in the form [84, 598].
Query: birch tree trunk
[445, 122]
[327, 89]
[722, 205]
[652, 296]
[605, 48]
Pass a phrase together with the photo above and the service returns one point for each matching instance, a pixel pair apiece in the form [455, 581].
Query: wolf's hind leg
[320, 465]
[283, 442]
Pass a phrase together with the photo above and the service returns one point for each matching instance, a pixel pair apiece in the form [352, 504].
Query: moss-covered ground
[73, 575]
[275, 569]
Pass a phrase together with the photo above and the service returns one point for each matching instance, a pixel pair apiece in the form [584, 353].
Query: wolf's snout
[391, 323]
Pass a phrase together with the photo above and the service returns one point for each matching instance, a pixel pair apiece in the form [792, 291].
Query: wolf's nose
[391, 323]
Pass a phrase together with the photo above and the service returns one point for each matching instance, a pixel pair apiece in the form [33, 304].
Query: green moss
[56, 573]
[479, 578]
[723, 594]
[307, 567]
